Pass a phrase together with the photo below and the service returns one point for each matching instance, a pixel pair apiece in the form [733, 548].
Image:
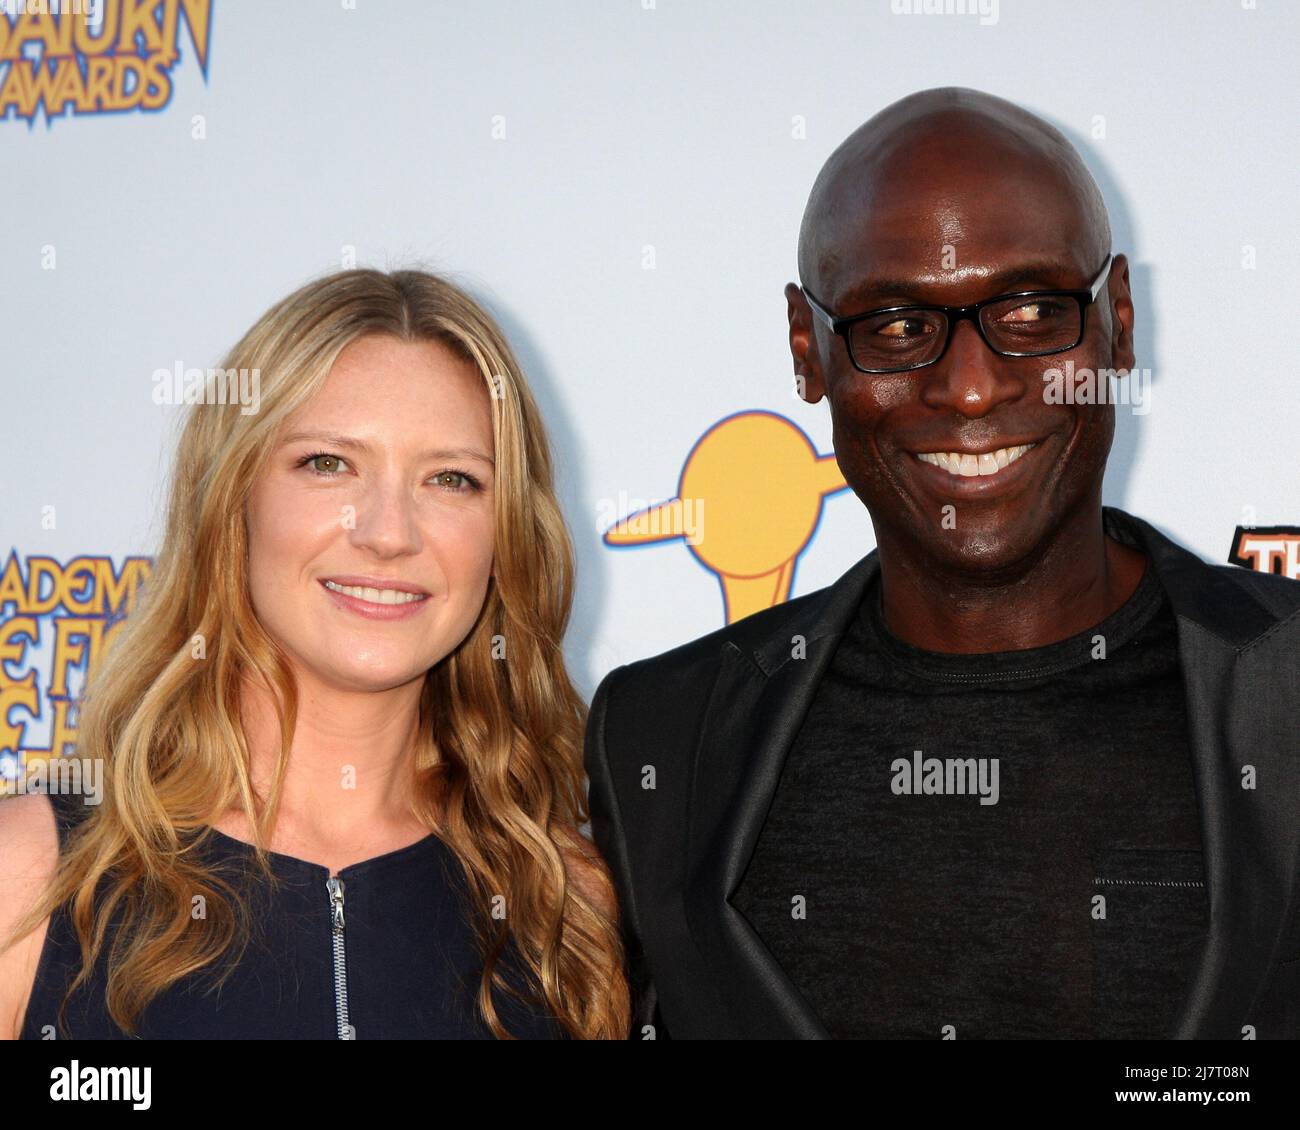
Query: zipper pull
[335, 887]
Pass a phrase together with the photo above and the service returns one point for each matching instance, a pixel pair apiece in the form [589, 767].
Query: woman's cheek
[469, 540]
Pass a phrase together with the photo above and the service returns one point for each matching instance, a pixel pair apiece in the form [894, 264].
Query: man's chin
[992, 551]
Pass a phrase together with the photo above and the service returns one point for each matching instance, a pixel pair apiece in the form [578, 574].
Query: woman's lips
[373, 610]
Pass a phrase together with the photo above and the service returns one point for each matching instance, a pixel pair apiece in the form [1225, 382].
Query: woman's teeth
[376, 596]
[970, 466]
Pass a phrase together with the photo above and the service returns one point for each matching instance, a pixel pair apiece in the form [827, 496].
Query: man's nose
[386, 522]
[970, 378]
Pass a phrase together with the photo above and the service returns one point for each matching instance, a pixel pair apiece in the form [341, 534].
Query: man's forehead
[950, 234]
[953, 272]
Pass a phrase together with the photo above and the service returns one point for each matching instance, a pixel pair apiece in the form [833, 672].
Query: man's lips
[984, 470]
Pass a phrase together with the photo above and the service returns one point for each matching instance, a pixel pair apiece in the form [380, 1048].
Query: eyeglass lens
[904, 338]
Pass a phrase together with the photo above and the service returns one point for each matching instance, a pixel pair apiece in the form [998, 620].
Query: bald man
[1027, 770]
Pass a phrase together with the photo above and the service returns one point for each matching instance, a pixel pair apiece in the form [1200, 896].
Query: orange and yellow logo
[94, 56]
[58, 622]
[747, 505]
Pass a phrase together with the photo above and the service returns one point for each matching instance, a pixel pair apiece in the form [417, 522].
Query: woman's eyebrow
[350, 443]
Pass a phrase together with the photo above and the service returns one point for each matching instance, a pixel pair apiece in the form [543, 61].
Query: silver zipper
[335, 888]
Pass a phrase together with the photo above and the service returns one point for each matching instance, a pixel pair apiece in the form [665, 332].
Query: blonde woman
[342, 755]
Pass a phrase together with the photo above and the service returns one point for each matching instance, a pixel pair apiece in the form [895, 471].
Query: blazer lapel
[1237, 683]
[757, 705]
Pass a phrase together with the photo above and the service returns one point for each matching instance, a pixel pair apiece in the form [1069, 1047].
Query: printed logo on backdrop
[56, 620]
[66, 57]
[748, 503]
[1267, 549]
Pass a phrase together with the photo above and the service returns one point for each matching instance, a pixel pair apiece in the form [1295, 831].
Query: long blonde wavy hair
[498, 755]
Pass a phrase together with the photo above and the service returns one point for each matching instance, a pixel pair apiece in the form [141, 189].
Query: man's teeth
[971, 466]
[376, 596]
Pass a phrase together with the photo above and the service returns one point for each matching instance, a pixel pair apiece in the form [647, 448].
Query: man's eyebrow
[348, 443]
[1025, 276]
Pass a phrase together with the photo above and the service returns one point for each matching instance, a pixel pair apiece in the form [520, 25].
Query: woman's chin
[370, 678]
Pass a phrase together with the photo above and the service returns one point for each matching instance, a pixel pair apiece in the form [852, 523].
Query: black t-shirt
[1003, 845]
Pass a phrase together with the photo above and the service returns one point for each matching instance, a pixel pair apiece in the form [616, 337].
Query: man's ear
[809, 382]
[1121, 315]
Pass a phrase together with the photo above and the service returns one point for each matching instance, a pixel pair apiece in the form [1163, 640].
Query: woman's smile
[376, 603]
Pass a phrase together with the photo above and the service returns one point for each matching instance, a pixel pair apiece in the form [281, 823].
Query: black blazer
[709, 725]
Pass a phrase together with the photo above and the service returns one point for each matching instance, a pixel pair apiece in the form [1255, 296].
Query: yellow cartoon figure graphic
[747, 504]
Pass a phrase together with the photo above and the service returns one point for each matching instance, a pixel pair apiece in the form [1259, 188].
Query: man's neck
[1080, 578]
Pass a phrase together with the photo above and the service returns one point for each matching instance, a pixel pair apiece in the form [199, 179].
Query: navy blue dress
[382, 950]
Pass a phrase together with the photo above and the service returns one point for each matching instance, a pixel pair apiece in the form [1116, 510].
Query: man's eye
[904, 327]
[1040, 311]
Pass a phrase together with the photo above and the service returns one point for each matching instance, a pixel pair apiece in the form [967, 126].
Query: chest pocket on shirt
[1156, 912]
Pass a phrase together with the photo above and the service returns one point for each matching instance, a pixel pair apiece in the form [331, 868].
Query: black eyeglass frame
[842, 327]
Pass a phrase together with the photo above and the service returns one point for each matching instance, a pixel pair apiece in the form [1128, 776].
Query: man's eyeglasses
[1032, 323]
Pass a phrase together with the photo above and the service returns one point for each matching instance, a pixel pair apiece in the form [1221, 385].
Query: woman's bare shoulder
[29, 847]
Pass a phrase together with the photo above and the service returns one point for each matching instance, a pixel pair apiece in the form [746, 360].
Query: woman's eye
[461, 481]
[323, 464]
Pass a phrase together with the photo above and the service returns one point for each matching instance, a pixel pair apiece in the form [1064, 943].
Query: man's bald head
[952, 198]
[946, 151]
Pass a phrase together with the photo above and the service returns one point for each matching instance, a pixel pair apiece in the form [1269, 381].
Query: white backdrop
[622, 181]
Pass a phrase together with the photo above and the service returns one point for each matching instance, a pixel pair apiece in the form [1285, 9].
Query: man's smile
[981, 472]
[973, 464]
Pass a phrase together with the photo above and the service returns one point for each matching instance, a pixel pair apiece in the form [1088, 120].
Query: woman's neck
[348, 785]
